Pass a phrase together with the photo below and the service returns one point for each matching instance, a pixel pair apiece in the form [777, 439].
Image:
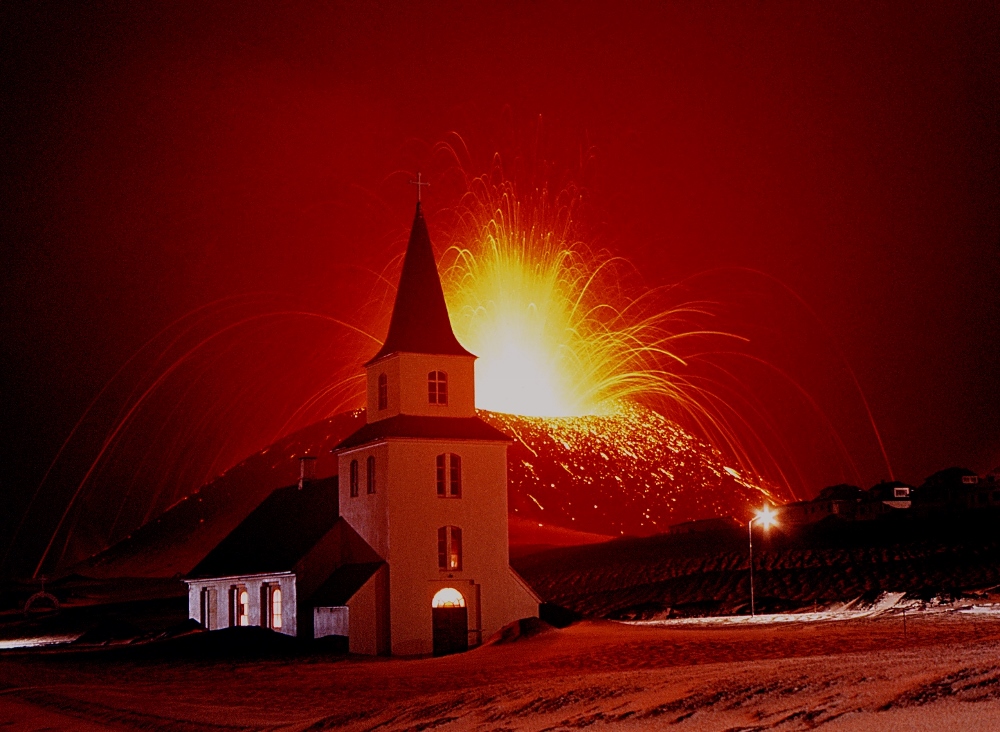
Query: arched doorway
[451, 622]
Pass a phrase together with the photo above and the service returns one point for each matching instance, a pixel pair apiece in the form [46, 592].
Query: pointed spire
[420, 322]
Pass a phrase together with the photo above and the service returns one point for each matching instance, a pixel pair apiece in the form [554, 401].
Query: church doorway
[451, 622]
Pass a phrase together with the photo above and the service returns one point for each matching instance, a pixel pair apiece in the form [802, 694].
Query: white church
[405, 550]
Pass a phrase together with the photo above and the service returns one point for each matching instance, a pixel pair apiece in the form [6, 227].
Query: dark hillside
[630, 473]
[707, 573]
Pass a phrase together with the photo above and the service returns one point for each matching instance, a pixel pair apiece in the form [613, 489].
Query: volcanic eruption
[625, 413]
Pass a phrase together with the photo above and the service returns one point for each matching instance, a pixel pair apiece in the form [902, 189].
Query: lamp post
[765, 517]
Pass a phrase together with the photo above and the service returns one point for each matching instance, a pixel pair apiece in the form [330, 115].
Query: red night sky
[159, 158]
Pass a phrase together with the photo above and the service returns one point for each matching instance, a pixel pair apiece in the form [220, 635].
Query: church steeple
[420, 321]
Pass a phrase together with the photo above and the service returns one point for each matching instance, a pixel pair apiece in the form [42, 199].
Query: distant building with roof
[849, 503]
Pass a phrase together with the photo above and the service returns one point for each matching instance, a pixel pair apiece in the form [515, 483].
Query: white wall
[407, 381]
[331, 621]
[401, 522]
[222, 585]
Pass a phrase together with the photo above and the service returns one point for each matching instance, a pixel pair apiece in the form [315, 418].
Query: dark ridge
[795, 568]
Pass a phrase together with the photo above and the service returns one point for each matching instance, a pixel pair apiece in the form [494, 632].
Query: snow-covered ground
[864, 672]
[36, 641]
[889, 603]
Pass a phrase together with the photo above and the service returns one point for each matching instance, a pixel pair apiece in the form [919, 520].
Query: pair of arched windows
[449, 476]
[239, 606]
[450, 548]
[437, 387]
[355, 478]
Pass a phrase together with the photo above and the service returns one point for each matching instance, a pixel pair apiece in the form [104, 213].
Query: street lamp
[765, 517]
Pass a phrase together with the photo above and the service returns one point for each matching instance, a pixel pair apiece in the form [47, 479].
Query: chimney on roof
[307, 470]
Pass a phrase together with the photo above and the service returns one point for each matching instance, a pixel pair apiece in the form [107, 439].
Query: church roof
[430, 428]
[420, 322]
[277, 534]
[342, 585]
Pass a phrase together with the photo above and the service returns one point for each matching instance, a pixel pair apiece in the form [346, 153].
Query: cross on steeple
[419, 185]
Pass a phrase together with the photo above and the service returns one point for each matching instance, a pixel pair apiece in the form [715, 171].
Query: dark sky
[158, 158]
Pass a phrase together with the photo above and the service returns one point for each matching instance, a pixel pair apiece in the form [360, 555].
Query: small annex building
[294, 566]
[405, 551]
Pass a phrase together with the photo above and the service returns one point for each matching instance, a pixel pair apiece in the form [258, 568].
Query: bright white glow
[514, 375]
[448, 597]
[766, 517]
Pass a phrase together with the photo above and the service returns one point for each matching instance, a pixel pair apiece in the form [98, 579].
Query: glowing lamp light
[766, 517]
[448, 597]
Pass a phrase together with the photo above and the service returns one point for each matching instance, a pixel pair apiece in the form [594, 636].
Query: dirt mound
[520, 630]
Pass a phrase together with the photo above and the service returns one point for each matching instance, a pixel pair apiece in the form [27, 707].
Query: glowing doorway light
[448, 597]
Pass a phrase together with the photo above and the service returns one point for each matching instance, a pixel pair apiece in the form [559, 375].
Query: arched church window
[450, 548]
[370, 482]
[239, 605]
[276, 608]
[449, 476]
[354, 479]
[383, 391]
[437, 387]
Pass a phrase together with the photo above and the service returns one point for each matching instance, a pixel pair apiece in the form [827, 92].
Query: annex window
[208, 608]
[272, 594]
[437, 387]
[370, 473]
[383, 391]
[354, 479]
[449, 476]
[450, 548]
[239, 606]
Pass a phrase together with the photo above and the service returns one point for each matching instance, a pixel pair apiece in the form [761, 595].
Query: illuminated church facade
[416, 561]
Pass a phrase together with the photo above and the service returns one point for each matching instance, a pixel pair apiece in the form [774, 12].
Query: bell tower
[424, 481]
[421, 368]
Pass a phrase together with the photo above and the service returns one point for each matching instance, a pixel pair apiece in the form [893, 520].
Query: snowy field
[888, 604]
[849, 668]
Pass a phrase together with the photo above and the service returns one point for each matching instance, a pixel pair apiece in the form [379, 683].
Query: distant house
[893, 494]
[841, 501]
[957, 489]
[849, 503]
[983, 493]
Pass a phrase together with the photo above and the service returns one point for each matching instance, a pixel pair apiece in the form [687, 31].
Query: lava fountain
[557, 328]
